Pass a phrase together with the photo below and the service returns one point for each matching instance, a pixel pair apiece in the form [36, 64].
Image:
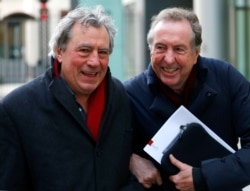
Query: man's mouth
[169, 70]
[90, 74]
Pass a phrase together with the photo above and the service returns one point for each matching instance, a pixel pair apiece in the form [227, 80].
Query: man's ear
[59, 55]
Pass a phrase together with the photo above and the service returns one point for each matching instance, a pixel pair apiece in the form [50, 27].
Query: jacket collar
[66, 98]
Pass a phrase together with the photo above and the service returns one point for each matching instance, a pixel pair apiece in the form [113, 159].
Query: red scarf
[96, 106]
[56, 67]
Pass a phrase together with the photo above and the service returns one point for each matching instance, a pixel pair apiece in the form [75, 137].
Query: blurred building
[25, 27]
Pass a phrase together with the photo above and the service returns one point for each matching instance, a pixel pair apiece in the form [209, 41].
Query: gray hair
[87, 17]
[177, 14]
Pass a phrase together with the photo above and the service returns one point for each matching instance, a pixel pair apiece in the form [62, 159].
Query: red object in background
[43, 11]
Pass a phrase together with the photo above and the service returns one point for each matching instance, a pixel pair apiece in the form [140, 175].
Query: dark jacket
[220, 99]
[45, 144]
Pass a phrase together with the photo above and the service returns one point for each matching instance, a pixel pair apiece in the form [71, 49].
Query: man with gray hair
[213, 90]
[70, 128]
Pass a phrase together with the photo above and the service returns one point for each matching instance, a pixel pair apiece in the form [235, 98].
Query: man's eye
[84, 50]
[103, 53]
[180, 50]
[160, 49]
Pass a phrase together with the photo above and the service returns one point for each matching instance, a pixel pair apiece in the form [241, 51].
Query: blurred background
[26, 25]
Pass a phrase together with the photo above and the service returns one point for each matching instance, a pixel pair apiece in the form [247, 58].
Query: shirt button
[99, 152]
[209, 94]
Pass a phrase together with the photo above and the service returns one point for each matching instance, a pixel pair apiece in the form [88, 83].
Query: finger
[175, 162]
[158, 180]
[147, 185]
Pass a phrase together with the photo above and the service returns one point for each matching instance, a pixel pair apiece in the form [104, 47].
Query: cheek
[70, 64]
[104, 63]
[187, 66]
[155, 59]
[74, 60]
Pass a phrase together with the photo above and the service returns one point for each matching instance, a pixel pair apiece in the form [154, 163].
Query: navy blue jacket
[221, 99]
[45, 144]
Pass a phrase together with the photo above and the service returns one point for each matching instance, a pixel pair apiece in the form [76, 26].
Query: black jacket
[220, 99]
[45, 144]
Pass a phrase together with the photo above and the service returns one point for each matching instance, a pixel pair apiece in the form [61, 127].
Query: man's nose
[169, 56]
[93, 58]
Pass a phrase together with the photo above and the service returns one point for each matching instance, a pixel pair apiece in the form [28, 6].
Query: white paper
[170, 130]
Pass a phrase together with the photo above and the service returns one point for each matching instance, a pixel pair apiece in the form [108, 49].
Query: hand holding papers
[191, 143]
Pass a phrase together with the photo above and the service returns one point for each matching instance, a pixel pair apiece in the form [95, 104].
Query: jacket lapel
[66, 99]
[162, 106]
[203, 100]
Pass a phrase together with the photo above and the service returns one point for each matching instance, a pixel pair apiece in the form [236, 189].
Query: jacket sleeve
[233, 171]
[132, 185]
[13, 174]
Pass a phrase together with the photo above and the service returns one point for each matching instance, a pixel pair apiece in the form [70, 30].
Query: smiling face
[172, 54]
[84, 63]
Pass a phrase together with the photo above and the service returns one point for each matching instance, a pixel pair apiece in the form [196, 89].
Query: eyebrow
[90, 46]
[83, 45]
